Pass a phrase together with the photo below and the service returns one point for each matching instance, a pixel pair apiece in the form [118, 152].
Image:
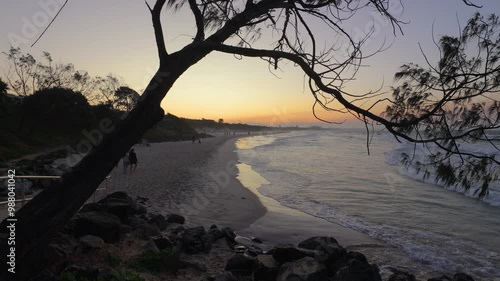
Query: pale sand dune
[195, 180]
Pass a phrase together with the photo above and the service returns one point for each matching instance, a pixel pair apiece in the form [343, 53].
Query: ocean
[426, 228]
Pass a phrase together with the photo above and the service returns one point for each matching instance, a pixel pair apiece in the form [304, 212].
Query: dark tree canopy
[61, 106]
[125, 98]
[327, 54]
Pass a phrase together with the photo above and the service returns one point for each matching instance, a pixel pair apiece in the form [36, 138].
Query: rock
[399, 275]
[215, 234]
[195, 265]
[119, 204]
[116, 195]
[241, 264]
[305, 269]
[228, 276]
[245, 241]
[141, 200]
[141, 209]
[91, 242]
[134, 221]
[174, 218]
[46, 275]
[357, 269]
[462, 277]
[145, 231]
[253, 251]
[104, 225]
[79, 273]
[163, 243]
[327, 250]
[92, 207]
[159, 220]
[60, 249]
[267, 268]
[442, 278]
[193, 240]
[150, 247]
[257, 240]
[230, 242]
[283, 253]
[240, 249]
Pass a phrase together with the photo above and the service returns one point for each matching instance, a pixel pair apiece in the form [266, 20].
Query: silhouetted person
[132, 158]
[193, 139]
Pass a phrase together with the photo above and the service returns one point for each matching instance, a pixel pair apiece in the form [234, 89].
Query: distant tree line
[25, 76]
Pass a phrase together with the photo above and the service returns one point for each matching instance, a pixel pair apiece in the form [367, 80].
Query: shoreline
[197, 180]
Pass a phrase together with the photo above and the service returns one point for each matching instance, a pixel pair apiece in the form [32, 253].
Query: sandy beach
[205, 183]
[197, 180]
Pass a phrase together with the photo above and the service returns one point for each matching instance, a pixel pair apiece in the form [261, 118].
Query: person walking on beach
[126, 162]
[132, 158]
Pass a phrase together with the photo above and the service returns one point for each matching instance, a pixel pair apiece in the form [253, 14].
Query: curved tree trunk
[40, 219]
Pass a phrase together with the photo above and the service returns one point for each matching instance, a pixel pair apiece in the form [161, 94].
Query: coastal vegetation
[443, 105]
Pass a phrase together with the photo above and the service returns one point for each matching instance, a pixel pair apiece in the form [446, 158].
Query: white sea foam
[419, 153]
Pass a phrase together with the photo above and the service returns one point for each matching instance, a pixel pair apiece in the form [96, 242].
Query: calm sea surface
[329, 174]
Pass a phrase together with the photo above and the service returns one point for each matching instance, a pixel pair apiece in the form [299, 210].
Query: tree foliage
[59, 106]
[125, 98]
[26, 75]
[454, 103]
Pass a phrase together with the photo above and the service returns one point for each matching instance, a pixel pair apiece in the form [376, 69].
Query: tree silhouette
[452, 104]
[125, 98]
[325, 51]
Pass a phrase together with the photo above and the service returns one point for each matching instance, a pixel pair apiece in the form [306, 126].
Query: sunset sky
[116, 36]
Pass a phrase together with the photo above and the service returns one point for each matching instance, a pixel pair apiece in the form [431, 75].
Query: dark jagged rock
[193, 240]
[241, 264]
[253, 251]
[462, 277]
[357, 269]
[116, 195]
[134, 221]
[174, 218]
[215, 234]
[257, 240]
[159, 220]
[267, 268]
[318, 242]
[141, 209]
[163, 243]
[141, 200]
[91, 242]
[399, 275]
[78, 273]
[92, 207]
[145, 231]
[119, 204]
[305, 269]
[230, 236]
[60, 250]
[442, 278]
[228, 276]
[283, 253]
[104, 225]
[46, 275]
[327, 250]
[150, 247]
